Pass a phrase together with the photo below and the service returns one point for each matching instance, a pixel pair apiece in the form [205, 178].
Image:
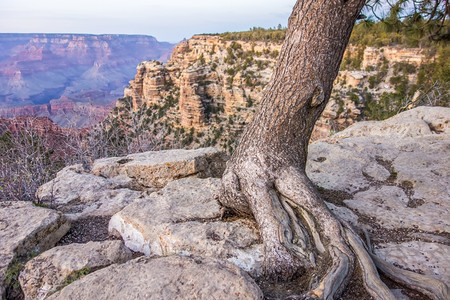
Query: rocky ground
[389, 179]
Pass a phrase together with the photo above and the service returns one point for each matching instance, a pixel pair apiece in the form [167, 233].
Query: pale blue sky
[167, 20]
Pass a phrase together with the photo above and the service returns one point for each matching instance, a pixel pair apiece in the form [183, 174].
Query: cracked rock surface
[45, 273]
[171, 277]
[185, 218]
[431, 259]
[25, 229]
[394, 175]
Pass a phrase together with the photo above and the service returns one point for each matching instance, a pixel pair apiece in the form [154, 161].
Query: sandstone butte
[213, 86]
[388, 178]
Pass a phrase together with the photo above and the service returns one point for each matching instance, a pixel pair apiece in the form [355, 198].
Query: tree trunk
[266, 175]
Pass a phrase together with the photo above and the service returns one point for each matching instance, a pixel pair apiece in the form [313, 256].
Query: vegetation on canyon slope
[127, 132]
[31, 156]
[29, 159]
[244, 66]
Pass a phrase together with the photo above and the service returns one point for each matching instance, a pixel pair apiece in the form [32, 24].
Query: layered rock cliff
[214, 85]
[63, 111]
[90, 69]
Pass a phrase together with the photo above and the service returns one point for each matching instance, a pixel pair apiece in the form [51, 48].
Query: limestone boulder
[25, 228]
[338, 164]
[52, 269]
[185, 218]
[113, 183]
[164, 278]
[435, 117]
[154, 169]
[80, 194]
[392, 207]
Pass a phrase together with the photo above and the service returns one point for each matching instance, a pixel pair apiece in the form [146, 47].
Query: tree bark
[266, 178]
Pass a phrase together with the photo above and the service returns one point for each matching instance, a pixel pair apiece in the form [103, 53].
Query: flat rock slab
[164, 278]
[79, 194]
[45, 273]
[185, 218]
[431, 259]
[395, 174]
[116, 182]
[390, 206]
[417, 122]
[395, 171]
[154, 169]
[25, 228]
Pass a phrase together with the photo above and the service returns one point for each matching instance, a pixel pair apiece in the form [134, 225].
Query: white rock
[437, 118]
[428, 258]
[184, 218]
[397, 170]
[417, 122]
[397, 173]
[164, 278]
[25, 228]
[376, 171]
[45, 273]
[157, 168]
[389, 205]
[340, 164]
[80, 194]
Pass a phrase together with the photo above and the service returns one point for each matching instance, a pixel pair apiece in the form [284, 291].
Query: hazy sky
[167, 20]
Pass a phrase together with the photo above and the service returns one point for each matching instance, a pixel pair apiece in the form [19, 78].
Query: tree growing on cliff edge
[266, 175]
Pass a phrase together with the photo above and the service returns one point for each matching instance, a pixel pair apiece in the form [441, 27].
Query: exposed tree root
[299, 232]
[431, 287]
[372, 282]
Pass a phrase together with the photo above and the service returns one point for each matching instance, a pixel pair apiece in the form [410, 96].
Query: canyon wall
[217, 85]
[91, 69]
[63, 111]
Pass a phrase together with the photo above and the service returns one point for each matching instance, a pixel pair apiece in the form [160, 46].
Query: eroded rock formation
[214, 85]
[80, 73]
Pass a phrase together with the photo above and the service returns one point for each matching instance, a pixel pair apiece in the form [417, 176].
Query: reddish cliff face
[38, 68]
[64, 111]
[52, 137]
[41, 125]
[202, 76]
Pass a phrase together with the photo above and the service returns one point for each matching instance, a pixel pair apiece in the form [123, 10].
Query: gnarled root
[300, 233]
[296, 187]
[433, 288]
